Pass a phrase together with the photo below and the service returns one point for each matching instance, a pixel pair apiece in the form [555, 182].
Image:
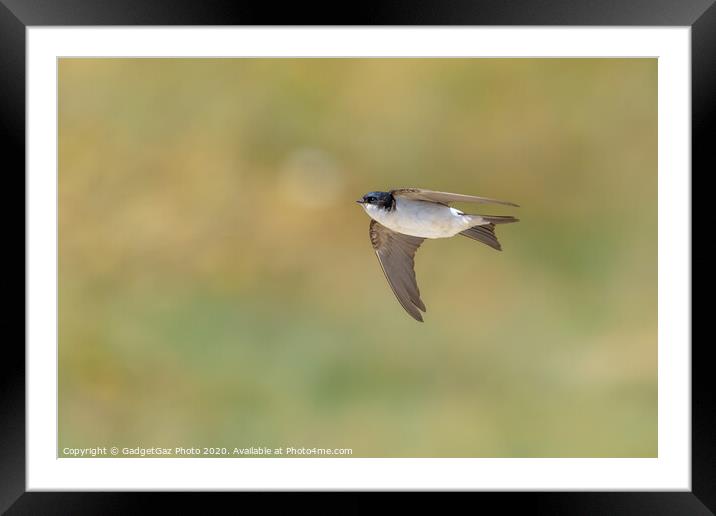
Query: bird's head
[377, 200]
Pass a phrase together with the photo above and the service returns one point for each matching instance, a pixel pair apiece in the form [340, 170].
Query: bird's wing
[396, 253]
[418, 194]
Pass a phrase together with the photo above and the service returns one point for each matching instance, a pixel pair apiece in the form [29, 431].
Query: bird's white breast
[421, 218]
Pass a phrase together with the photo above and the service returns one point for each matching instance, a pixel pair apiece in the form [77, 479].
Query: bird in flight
[403, 218]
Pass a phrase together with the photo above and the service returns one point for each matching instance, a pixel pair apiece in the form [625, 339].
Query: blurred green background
[218, 287]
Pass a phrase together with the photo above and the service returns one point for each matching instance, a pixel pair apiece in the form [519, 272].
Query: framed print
[203, 311]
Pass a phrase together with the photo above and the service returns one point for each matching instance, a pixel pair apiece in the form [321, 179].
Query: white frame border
[670, 471]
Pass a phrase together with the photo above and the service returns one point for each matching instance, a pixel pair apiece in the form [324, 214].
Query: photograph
[357, 257]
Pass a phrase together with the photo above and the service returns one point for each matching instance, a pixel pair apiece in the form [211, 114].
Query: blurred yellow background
[218, 287]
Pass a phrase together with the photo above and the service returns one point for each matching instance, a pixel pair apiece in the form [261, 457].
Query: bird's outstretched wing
[418, 194]
[396, 253]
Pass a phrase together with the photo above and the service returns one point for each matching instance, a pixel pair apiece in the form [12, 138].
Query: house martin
[403, 218]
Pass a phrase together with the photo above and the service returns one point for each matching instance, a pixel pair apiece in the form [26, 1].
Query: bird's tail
[495, 219]
[485, 233]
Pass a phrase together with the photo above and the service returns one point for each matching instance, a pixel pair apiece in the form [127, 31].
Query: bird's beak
[360, 201]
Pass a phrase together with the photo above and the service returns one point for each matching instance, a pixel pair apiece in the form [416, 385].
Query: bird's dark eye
[370, 198]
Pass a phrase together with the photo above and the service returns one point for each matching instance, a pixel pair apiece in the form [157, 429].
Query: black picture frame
[16, 15]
